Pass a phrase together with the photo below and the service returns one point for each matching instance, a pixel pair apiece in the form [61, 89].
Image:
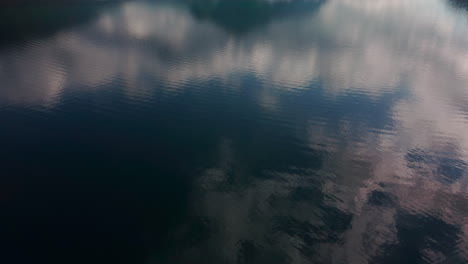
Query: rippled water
[248, 131]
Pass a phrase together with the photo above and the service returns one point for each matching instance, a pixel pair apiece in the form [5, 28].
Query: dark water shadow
[242, 16]
[24, 21]
[459, 4]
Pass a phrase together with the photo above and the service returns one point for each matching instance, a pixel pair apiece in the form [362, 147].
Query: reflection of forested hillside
[239, 16]
[23, 22]
[28, 21]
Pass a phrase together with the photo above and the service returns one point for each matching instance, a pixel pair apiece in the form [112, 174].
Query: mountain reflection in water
[280, 132]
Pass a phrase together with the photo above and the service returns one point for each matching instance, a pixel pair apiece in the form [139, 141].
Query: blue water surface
[224, 131]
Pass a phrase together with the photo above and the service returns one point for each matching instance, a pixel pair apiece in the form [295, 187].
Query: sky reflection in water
[175, 132]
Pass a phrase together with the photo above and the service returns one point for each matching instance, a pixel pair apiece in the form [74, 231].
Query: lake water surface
[224, 131]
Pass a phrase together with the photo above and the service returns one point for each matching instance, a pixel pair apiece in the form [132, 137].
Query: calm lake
[234, 131]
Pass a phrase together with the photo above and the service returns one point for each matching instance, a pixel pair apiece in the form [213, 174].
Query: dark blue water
[223, 131]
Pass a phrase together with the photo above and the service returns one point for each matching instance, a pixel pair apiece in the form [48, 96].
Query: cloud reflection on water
[372, 175]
